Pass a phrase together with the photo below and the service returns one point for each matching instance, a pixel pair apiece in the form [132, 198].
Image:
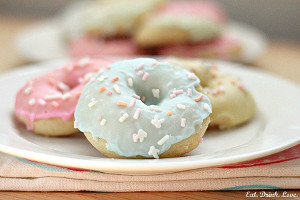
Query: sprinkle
[84, 61]
[92, 103]
[101, 89]
[163, 140]
[191, 76]
[219, 81]
[155, 93]
[103, 122]
[141, 135]
[31, 101]
[181, 106]
[213, 74]
[146, 75]
[172, 95]
[122, 103]
[130, 82]
[109, 92]
[66, 96]
[55, 104]
[207, 107]
[28, 89]
[199, 98]
[233, 81]
[137, 113]
[78, 94]
[42, 102]
[143, 99]
[183, 121]
[132, 103]
[123, 117]
[156, 121]
[99, 118]
[154, 63]
[117, 89]
[75, 124]
[177, 92]
[169, 113]
[242, 87]
[108, 67]
[201, 140]
[51, 96]
[114, 79]
[140, 66]
[139, 73]
[155, 108]
[189, 92]
[51, 81]
[136, 96]
[153, 152]
[88, 76]
[101, 78]
[134, 137]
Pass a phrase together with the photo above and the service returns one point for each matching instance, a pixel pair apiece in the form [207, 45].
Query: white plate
[275, 127]
[45, 41]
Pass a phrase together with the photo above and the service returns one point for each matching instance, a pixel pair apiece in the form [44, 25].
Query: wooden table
[281, 58]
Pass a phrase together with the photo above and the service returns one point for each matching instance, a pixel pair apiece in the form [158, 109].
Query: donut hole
[146, 93]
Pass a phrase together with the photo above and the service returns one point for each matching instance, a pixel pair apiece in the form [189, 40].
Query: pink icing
[31, 102]
[221, 47]
[86, 46]
[205, 9]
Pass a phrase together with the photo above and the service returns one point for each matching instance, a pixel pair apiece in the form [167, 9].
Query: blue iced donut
[143, 108]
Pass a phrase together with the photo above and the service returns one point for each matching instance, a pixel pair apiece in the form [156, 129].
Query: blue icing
[119, 135]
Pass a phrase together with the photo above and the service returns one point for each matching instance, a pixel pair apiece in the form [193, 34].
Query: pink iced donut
[88, 46]
[223, 47]
[46, 104]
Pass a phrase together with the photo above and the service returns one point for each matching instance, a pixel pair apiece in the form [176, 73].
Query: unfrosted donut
[143, 108]
[232, 103]
[46, 104]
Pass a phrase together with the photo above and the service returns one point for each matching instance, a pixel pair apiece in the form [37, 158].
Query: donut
[232, 103]
[143, 108]
[180, 22]
[46, 104]
[223, 47]
[108, 18]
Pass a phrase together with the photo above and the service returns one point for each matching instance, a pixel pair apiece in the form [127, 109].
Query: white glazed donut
[143, 108]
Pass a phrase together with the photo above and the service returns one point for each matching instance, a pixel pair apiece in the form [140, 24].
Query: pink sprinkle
[183, 121]
[137, 113]
[136, 96]
[242, 87]
[154, 63]
[177, 92]
[145, 76]
[201, 140]
[132, 103]
[172, 95]
[189, 92]
[140, 66]
[42, 102]
[75, 124]
[139, 73]
[55, 104]
[134, 137]
[199, 98]
[109, 92]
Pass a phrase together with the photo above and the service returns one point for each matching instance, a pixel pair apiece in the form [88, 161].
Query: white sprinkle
[207, 107]
[88, 76]
[191, 76]
[75, 124]
[51, 96]
[28, 89]
[137, 113]
[123, 117]
[172, 95]
[84, 61]
[189, 92]
[42, 102]
[139, 73]
[140, 66]
[132, 103]
[163, 140]
[177, 92]
[183, 121]
[136, 96]
[62, 86]
[134, 137]
[156, 121]
[141, 135]
[92, 103]
[66, 96]
[117, 89]
[155, 108]
[31, 101]
[155, 92]
[146, 75]
[103, 122]
[101, 78]
[180, 106]
[130, 82]
[153, 152]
